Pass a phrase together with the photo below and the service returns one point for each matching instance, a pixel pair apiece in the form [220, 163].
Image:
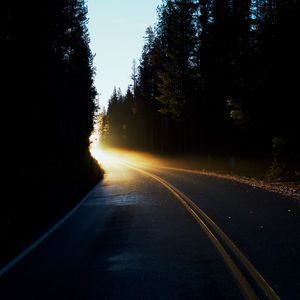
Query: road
[152, 232]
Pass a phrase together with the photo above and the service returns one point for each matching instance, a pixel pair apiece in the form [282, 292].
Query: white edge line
[50, 231]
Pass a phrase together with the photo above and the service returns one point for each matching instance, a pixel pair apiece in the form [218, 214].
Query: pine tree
[176, 31]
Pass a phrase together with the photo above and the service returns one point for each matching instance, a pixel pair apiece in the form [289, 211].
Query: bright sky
[117, 28]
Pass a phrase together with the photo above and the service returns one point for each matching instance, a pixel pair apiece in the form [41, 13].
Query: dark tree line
[48, 103]
[215, 76]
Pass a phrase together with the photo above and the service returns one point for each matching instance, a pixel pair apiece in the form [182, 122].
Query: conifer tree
[176, 29]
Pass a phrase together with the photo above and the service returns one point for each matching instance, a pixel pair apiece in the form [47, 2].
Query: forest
[215, 77]
[48, 106]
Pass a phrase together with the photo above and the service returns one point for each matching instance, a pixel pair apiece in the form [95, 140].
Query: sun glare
[102, 156]
[106, 157]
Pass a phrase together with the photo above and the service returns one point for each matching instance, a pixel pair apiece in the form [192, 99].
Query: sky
[117, 28]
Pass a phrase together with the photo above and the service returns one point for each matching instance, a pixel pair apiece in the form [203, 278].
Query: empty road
[151, 232]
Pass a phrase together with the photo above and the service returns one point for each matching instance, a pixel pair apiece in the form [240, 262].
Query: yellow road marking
[260, 281]
[244, 285]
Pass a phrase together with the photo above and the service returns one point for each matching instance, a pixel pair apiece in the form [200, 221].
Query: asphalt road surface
[149, 232]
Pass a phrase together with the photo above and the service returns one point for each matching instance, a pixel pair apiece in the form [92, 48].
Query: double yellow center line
[204, 221]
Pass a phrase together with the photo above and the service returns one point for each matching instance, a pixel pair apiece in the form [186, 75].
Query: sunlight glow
[112, 157]
[107, 157]
[102, 156]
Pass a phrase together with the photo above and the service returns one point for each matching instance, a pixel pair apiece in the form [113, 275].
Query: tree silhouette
[218, 77]
[49, 105]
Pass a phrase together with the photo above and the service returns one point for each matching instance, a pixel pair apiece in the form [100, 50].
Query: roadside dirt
[286, 188]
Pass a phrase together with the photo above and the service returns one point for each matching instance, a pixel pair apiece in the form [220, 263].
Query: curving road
[150, 232]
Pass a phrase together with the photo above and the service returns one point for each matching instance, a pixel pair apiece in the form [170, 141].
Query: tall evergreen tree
[176, 30]
[49, 105]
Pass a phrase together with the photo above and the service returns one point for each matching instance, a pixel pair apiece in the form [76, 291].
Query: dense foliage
[48, 104]
[215, 76]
